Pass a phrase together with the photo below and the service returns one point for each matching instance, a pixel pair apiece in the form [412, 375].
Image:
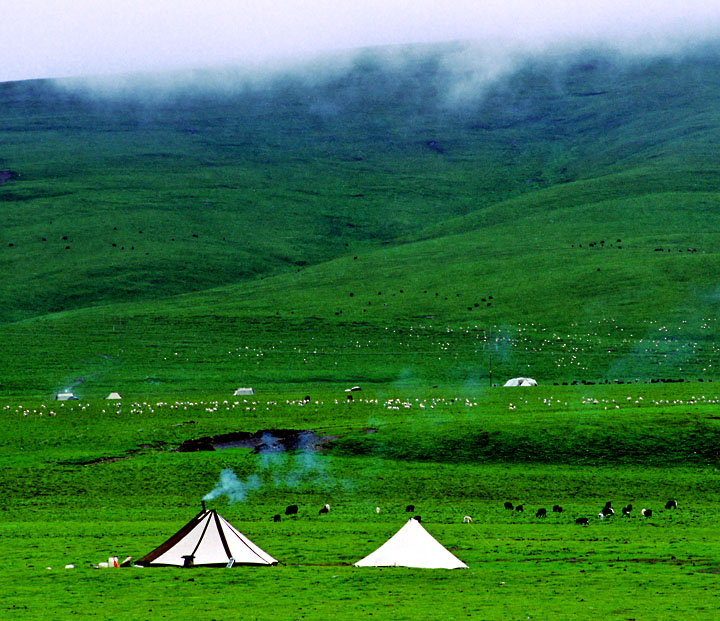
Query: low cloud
[51, 38]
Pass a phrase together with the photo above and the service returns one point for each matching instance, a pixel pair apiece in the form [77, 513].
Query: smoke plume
[231, 486]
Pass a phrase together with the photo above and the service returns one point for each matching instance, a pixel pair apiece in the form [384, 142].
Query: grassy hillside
[378, 222]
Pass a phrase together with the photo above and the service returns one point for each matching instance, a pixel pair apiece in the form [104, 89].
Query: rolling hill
[392, 219]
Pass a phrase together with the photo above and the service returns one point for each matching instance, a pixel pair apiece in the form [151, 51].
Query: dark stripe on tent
[161, 549]
[242, 539]
[202, 536]
[222, 535]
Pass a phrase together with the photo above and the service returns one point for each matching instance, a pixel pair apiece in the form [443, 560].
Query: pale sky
[58, 38]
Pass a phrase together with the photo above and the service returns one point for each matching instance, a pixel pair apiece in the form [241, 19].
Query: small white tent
[114, 395]
[412, 546]
[65, 396]
[243, 391]
[521, 381]
[207, 539]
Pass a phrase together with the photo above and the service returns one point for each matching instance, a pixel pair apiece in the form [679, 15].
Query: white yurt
[521, 381]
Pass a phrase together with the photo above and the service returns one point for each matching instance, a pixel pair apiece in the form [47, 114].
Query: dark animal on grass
[276, 517]
[509, 506]
[541, 513]
[671, 504]
[626, 511]
[520, 508]
[582, 521]
[646, 513]
[323, 510]
[557, 509]
[417, 518]
[608, 511]
[410, 508]
[291, 510]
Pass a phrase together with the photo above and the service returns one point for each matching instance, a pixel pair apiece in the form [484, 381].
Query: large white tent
[412, 546]
[521, 381]
[207, 539]
[114, 395]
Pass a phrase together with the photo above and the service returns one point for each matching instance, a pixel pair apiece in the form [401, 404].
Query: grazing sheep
[646, 513]
[520, 508]
[323, 510]
[509, 506]
[377, 509]
[671, 504]
[276, 517]
[410, 508]
[467, 520]
[541, 513]
[557, 509]
[582, 521]
[291, 510]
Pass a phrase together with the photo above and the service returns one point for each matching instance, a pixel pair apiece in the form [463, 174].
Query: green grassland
[86, 480]
[405, 226]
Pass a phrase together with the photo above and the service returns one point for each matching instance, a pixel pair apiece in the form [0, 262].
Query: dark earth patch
[7, 175]
[261, 441]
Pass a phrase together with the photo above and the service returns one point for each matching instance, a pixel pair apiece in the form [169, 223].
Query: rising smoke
[297, 470]
[231, 486]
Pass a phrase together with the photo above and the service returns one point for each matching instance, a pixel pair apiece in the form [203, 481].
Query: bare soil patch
[261, 441]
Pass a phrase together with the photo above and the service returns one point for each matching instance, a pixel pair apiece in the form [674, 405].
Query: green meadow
[88, 480]
[393, 221]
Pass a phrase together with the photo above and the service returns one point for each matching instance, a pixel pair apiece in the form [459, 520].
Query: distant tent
[243, 392]
[114, 395]
[521, 381]
[412, 546]
[210, 540]
[65, 396]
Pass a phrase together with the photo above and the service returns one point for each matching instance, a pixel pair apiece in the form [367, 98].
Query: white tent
[65, 396]
[114, 395]
[412, 546]
[207, 539]
[243, 391]
[521, 381]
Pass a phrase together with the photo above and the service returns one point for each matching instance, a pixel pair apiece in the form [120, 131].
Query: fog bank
[60, 38]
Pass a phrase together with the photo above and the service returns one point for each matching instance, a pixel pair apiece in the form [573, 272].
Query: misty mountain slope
[147, 193]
